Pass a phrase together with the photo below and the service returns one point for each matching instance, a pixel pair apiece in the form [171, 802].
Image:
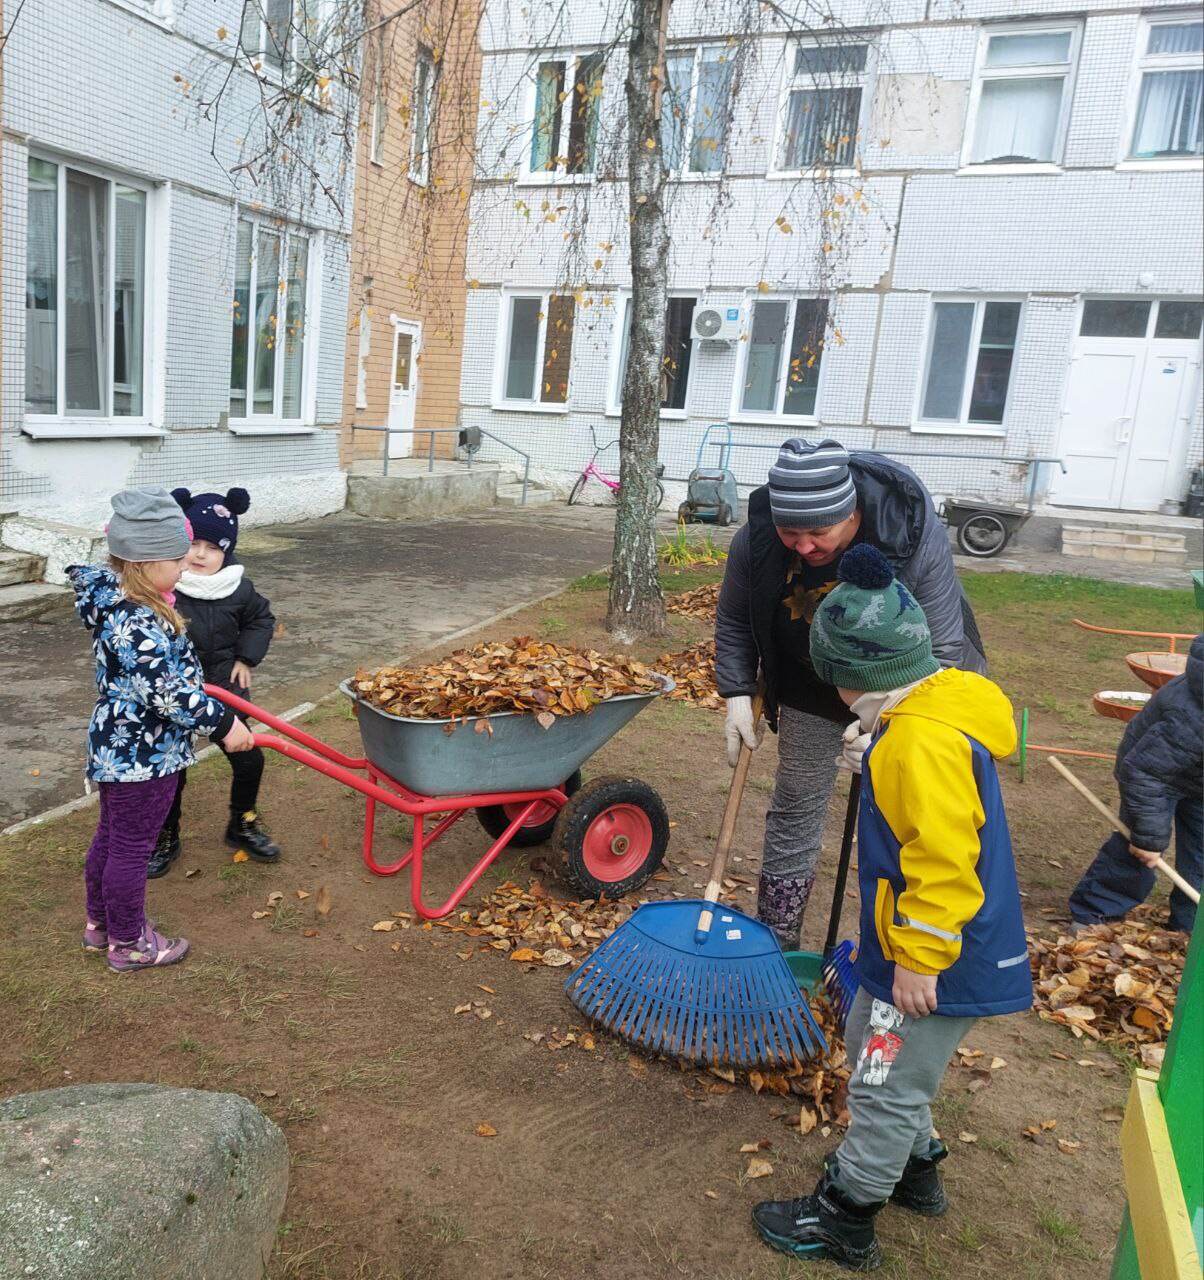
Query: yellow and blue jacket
[938, 880]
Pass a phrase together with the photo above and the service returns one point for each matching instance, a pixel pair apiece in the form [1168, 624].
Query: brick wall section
[408, 240]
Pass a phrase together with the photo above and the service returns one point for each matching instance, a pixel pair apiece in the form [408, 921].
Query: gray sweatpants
[794, 826]
[897, 1066]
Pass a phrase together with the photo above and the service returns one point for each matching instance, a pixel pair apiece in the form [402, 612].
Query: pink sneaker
[147, 952]
[95, 938]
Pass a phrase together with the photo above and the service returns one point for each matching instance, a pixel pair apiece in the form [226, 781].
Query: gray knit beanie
[810, 486]
[147, 525]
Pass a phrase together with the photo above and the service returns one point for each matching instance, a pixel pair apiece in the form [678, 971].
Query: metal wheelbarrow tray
[522, 781]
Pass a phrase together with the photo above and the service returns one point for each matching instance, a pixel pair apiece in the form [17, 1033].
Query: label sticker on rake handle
[734, 935]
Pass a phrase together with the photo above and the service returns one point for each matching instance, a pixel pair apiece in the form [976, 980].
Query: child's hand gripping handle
[727, 829]
[1096, 803]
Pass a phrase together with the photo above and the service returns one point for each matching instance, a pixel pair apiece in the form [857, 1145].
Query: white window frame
[962, 427]
[1042, 71]
[274, 423]
[378, 118]
[256, 52]
[1142, 63]
[806, 82]
[558, 176]
[420, 161]
[683, 172]
[161, 13]
[505, 312]
[777, 418]
[104, 425]
[614, 371]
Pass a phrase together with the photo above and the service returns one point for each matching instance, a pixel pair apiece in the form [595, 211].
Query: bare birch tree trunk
[637, 605]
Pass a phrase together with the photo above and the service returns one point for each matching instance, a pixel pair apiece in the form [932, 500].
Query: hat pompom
[183, 498]
[238, 500]
[866, 567]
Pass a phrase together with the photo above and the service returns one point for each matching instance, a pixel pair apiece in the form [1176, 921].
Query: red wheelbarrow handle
[249, 709]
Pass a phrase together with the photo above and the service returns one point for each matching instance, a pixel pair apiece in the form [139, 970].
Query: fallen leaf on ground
[322, 903]
[241, 855]
[302, 894]
[485, 1131]
[194, 871]
[309, 933]
[807, 1120]
[967, 1136]
[1113, 1115]
[711, 1195]
[1066, 1147]
[524, 955]
[268, 1093]
[275, 897]
[482, 987]
[384, 926]
[997, 1064]
[260, 915]
[554, 958]
[758, 1167]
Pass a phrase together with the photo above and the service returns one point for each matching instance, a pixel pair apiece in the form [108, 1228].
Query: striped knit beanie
[810, 486]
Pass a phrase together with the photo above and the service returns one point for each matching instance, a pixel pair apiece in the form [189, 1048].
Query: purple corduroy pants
[131, 816]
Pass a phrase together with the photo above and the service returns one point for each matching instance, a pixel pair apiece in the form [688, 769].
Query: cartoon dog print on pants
[882, 1045]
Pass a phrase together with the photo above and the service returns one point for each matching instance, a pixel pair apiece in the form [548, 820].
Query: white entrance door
[403, 389]
[1125, 424]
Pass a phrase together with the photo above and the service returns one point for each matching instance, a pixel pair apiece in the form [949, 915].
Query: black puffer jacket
[236, 628]
[897, 517]
[1160, 758]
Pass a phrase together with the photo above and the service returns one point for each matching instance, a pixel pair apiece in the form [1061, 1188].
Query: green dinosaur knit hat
[869, 633]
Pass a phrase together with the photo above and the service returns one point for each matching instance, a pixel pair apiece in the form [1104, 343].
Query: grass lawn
[604, 1167]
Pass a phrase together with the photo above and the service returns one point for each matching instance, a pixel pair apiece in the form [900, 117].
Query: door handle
[1123, 436]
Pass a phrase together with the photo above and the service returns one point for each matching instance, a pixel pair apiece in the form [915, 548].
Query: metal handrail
[432, 432]
[1030, 460]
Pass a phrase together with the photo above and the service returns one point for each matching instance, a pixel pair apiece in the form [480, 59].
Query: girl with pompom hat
[942, 932]
[230, 625]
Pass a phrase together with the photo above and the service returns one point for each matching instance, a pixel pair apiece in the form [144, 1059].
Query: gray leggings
[794, 826]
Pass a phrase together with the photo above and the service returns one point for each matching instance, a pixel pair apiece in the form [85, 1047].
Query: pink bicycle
[592, 469]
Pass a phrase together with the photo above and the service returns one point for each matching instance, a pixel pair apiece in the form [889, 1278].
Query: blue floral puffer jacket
[149, 682]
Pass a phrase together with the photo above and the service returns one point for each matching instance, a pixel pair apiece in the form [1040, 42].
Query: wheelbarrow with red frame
[610, 834]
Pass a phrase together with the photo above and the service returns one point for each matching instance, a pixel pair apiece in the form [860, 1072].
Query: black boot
[167, 850]
[825, 1224]
[246, 832]
[919, 1188]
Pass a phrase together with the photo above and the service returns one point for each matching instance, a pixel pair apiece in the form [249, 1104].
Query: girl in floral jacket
[150, 704]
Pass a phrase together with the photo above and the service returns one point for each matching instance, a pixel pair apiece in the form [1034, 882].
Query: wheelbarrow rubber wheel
[724, 516]
[495, 818]
[982, 535]
[685, 513]
[610, 837]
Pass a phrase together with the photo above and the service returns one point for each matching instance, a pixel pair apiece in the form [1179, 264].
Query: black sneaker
[825, 1224]
[919, 1188]
[246, 832]
[167, 850]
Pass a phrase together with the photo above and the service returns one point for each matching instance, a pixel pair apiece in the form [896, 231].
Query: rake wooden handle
[727, 828]
[1096, 803]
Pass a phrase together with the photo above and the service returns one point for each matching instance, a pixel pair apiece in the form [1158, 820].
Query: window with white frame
[537, 349]
[1021, 95]
[425, 79]
[280, 32]
[268, 329]
[1169, 121]
[675, 363]
[782, 358]
[380, 114]
[821, 105]
[696, 109]
[85, 293]
[567, 102]
[971, 347]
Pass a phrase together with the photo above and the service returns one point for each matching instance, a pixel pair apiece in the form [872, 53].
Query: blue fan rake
[700, 981]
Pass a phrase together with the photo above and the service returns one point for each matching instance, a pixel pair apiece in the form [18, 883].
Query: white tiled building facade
[167, 320]
[997, 222]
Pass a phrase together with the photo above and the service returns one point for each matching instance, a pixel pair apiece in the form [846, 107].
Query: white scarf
[870, 706]
[211, 586]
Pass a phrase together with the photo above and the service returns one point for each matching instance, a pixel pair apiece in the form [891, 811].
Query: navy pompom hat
[869, 633]
[214, 517]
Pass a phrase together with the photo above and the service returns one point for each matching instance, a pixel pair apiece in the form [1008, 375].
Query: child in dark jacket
[231, 626]
[1159, 768]
[150, 704]
[942, 933]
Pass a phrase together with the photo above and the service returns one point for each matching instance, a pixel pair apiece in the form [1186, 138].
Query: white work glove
[739, 728]
[855, 745]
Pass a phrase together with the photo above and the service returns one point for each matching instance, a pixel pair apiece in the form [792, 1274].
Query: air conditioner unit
[716, 324]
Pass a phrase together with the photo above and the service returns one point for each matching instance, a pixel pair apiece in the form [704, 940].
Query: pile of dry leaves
[694, 671]
[522, 674]
[1114, 982]
[699, 603]
[536, 928]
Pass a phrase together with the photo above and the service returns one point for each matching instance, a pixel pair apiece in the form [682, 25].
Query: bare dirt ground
[604, 1166]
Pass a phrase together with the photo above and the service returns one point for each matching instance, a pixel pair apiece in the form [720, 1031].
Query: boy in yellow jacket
[942, 934]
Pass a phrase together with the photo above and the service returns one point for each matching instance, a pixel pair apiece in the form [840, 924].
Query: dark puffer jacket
[1160, 758]
[237, 628]
[897, 517]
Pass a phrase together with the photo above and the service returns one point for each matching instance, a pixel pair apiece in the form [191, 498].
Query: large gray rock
[138, 1182]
